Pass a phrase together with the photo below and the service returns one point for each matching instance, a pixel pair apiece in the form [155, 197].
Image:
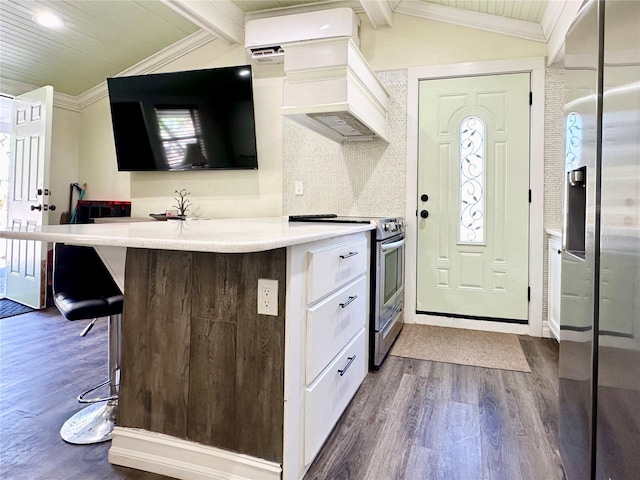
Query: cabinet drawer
[327, 398]
[331, 267]
[332, 323]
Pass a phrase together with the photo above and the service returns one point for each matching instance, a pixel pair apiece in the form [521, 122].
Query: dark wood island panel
[198, 362]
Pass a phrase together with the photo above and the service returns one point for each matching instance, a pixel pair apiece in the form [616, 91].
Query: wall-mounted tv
[192, 120]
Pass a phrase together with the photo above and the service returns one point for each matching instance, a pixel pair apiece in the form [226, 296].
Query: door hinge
[530, 98]
[529, 195]
[528, 294]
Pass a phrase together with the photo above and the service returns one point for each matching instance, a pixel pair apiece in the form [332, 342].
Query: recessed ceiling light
[47, 19]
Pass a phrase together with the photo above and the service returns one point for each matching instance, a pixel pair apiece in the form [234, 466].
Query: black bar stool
[83, 289]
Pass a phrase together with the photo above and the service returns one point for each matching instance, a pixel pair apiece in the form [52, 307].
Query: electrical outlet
[267, 297]
[298, 187]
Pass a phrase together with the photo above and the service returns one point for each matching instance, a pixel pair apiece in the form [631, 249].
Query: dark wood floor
[412, 420]
[420, 420]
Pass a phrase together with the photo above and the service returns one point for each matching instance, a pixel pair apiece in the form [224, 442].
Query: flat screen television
[192, 120]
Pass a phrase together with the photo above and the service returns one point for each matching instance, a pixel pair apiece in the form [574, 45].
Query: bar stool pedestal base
[92, 424]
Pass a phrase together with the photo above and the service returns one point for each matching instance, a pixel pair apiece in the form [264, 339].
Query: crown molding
[150, 64]
[14, 88]
[468, 18]
[355, 5]
[67, 102]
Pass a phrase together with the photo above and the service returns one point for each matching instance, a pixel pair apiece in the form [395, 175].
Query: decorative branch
[183, 202]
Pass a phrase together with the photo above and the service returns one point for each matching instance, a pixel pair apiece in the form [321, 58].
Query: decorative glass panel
[573, 140]
[472, 157]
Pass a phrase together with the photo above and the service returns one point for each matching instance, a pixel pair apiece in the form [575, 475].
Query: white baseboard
[546, 331]
[174, 457]
[469, 324]
[554, 330]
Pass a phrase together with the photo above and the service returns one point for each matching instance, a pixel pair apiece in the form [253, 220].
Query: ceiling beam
[379, 12]
[355, 5]
[557, 19]
[220, 17]
[472, 19]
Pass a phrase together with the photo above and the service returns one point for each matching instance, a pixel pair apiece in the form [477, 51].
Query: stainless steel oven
[388, 291]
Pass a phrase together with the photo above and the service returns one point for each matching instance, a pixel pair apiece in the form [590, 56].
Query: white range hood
[330, 88]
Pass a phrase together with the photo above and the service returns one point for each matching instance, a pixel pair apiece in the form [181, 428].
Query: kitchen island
[209, 388]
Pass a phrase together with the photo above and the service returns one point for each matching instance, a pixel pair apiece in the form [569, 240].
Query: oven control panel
[391, 226]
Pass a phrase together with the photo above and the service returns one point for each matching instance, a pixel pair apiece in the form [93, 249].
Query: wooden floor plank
[543, 357]
[437, 420]
[461, 452]
[389, 458]
[499, 451]
[44, 365]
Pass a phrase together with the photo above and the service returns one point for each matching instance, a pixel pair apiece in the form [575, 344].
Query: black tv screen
[192, 120]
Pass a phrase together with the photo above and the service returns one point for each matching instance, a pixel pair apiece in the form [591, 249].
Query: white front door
[28, 194]
[473, 197]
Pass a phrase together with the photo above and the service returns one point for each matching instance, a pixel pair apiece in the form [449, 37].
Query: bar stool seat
[73, 307]
[83, 289]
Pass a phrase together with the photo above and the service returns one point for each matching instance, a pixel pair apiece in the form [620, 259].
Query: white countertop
[239, 235]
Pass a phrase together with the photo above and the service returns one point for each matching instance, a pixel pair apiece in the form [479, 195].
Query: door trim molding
[536, 67]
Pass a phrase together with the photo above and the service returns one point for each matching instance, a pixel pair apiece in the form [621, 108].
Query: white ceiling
[99, 39]
[103, 38]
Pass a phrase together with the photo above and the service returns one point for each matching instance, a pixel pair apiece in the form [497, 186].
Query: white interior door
[27, 195]
[473, 189]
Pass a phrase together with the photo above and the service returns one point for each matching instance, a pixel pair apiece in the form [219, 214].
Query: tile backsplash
[358, 178]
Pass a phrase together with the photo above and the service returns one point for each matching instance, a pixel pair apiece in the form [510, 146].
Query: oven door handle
[391, 246]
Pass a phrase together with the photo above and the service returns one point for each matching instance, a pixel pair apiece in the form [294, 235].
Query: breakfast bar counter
[209, 387]
[221, 235]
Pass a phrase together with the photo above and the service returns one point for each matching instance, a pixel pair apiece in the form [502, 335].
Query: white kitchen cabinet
[326, 356]
[336, 342]
[553, 283]
[332, 266]
[326, 398]
[332, 322]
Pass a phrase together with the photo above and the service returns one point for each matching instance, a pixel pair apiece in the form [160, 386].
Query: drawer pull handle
[347, 255]
[351, 299]
[346, 367]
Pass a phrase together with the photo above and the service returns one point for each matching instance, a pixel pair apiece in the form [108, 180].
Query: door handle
[424, 197]
[424, 213]
[390, 246]
[36, 207]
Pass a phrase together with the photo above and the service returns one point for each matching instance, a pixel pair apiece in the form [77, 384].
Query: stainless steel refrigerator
[599, 422]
